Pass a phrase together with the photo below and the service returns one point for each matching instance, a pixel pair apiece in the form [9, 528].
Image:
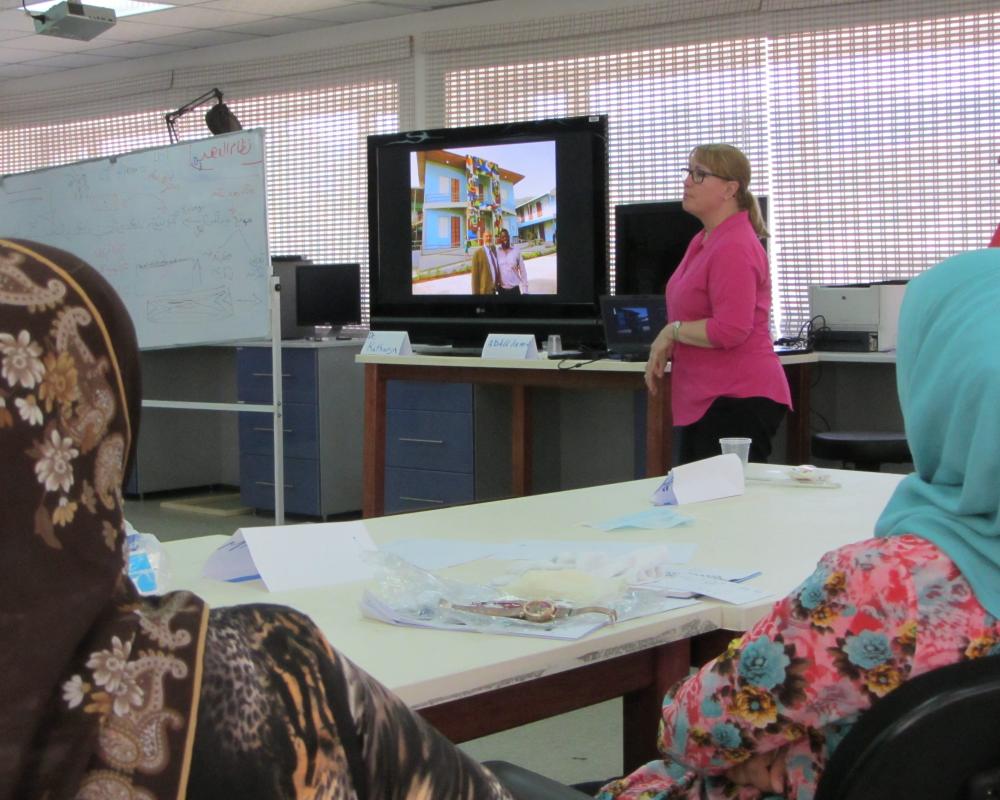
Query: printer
[858, 317]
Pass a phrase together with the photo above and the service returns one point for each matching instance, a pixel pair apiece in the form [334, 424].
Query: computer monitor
[328, 294]
[650, 241]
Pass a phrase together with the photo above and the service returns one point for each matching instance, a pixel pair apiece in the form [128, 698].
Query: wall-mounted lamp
[218, 118]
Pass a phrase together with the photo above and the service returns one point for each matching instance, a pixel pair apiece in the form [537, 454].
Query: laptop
[631, 323]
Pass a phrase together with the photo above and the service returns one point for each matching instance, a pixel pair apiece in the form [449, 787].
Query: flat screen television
[328, 294]
[441, 202]
[650, 241]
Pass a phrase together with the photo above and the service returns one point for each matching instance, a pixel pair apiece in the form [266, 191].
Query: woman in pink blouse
[725, 379]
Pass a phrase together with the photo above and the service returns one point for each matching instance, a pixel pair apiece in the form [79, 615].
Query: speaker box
[285, 268]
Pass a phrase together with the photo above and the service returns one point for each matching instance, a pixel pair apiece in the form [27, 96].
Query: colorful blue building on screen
[460, 197]
[536, 217]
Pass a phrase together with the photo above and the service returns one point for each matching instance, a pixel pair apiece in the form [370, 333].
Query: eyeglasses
[698, 175]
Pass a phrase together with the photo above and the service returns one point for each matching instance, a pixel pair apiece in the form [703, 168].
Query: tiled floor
[582, 746]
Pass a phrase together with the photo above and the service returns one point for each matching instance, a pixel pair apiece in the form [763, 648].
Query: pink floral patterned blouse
[872, 615]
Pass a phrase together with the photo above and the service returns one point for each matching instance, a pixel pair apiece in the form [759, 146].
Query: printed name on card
[387, 343]
[516, 346]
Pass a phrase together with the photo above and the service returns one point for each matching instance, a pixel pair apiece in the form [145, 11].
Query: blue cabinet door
[418, 489]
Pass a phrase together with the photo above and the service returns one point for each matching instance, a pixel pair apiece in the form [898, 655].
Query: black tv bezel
[582, 188]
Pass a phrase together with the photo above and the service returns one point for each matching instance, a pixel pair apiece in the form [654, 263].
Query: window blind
[872, 138]
[870, 126]
[884, 150]
[316, 167]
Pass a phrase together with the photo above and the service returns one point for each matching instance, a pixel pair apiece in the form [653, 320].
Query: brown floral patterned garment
[100, 689]
[284, 715]
[97, 687]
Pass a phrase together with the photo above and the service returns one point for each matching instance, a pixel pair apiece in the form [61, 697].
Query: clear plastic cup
[738, 445]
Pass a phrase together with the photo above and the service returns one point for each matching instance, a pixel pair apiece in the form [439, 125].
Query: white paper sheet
[736, 593]
[434, 554]
[708, 479]
[724, 585]
[511, 346]
[387, 343]
[294, 556]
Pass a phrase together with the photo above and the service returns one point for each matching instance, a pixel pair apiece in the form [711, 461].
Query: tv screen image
[442, 202]
[465, 199]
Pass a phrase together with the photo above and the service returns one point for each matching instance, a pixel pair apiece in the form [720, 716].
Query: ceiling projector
[74, 21]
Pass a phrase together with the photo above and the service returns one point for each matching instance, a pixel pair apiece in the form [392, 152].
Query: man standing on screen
[513, 273]
[484, 266]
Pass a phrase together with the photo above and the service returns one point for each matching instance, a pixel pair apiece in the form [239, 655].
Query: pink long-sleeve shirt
[724, 279]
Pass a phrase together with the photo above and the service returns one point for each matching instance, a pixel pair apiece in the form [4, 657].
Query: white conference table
[471, 684]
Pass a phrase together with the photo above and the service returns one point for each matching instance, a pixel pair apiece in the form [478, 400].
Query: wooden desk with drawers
[524, 376]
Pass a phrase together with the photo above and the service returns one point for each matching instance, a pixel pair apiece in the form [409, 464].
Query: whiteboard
[179, 231]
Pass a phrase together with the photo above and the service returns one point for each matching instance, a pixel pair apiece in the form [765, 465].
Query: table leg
[373, 464]
[641, 709]
[707, 646]
[640, 678]
[659, 431]
[797, 426]
[520, 441]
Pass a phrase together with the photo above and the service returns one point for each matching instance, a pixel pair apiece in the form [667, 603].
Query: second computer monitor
[650, 241]
[328, 294]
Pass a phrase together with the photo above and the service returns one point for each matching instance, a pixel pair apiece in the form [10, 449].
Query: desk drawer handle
[270, 374]
[411, 440]
[271, 483]
[271, 430]
[421, 500]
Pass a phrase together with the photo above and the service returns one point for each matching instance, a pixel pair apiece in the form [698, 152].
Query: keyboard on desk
[791, 350]
[463, 352]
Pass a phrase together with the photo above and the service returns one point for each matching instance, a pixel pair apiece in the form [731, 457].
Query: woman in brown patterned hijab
[98, 688]
[104, 694]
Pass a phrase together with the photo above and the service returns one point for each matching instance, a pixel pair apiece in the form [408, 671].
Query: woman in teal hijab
[761, 720]
[948, 377]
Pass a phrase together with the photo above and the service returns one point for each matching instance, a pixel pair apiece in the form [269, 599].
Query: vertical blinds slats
[874, 140]
[884, 163]
[316, 161]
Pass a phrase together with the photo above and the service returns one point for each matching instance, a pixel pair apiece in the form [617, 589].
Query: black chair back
[523, 784]
[936, 737]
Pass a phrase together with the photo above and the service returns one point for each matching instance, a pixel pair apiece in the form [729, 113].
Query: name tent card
[697, 481]
[387, 343]
[515, 346]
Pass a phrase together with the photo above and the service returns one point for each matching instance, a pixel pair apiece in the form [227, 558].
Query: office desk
[522, 377]
[470, 685]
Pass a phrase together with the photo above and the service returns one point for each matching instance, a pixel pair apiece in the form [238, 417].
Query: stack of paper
[294, 556]
[717, 584]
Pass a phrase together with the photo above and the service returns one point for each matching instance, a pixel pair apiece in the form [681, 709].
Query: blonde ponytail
[749, 203]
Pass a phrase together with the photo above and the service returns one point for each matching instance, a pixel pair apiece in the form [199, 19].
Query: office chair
[867, 450]
[523, 784]
[936, 737]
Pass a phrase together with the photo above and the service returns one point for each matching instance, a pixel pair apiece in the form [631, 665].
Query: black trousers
[756, 418]
[513, 290]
